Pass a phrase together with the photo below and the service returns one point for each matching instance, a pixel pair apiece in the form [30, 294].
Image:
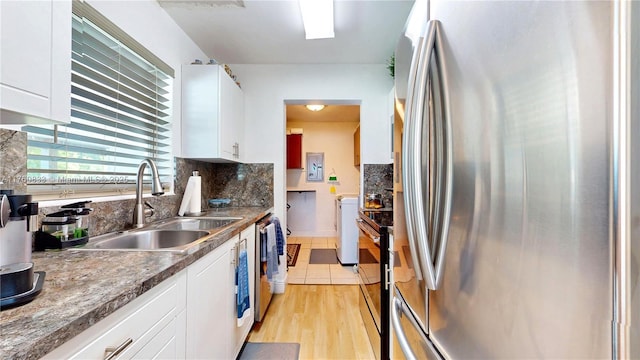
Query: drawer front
[138, 321]
[161, 346]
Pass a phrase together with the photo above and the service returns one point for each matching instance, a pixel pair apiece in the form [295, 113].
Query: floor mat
[292, 254]
[270, 351]
[323, 256]
[366, 257]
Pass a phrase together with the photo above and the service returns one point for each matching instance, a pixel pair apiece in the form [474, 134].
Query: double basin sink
[177, 235]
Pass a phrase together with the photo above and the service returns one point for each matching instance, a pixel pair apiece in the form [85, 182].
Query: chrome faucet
[139, 212]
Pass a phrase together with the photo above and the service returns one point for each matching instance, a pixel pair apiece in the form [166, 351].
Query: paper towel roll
[186, 197]
[191, 202]
[195, 205]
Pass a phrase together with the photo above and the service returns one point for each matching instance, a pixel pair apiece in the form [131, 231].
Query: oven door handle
[368, 230]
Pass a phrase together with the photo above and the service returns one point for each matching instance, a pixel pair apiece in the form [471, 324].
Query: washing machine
[347, 239]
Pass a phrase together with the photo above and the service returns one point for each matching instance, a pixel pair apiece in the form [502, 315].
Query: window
[120, 114]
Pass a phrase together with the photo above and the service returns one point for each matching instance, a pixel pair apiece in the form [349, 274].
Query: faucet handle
[150, 211]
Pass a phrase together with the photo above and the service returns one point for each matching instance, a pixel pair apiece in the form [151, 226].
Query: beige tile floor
[305, 273]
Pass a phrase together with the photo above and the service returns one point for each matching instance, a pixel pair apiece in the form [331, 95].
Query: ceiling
[331, 113]
[271, 31]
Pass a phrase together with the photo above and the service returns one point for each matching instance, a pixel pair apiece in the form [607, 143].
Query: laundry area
[321, 151]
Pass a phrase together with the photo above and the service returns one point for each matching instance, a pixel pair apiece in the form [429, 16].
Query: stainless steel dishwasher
[264, 287]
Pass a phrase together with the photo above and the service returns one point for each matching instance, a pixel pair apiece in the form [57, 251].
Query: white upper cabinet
[212, 114]
[35, 53]
[391, 101]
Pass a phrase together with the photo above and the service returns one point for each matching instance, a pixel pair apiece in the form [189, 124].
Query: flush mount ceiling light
[315, 107]
[317, 16]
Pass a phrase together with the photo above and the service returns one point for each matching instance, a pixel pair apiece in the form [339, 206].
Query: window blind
[120, 114]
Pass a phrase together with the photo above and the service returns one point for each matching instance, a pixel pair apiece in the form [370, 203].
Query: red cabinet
[294, 151]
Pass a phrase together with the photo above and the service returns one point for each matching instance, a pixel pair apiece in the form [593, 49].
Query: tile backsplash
[244, 184]
[13, 160]
[378, 178]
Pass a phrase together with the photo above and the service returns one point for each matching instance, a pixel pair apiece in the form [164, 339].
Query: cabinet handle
[386, 277]
[236, 150]
[111, 353]
[234, 256]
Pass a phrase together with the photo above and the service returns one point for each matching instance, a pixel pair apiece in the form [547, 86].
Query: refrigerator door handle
[408, 162]
[399, 308]
[420, 220]
[446, 162]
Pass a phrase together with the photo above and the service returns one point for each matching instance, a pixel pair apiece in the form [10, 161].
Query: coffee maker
[19, 284]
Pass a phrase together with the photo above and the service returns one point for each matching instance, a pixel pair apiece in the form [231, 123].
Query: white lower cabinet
[147, 325]
[190, 315]
[209, 300]
[212, 325]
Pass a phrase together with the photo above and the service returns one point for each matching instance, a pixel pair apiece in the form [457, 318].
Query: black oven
[374, 281]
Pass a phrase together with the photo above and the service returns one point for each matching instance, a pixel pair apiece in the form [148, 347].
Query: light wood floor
[323, 319]
[304, 273]
[335, 274]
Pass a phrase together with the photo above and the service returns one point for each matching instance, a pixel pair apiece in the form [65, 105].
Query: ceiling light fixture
[317, 16]
[315, 107]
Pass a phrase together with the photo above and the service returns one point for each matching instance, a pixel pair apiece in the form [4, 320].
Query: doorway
[329, 137]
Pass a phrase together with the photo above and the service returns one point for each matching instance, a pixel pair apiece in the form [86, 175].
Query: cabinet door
[200, 110]
[35, 54]
[210, 315]
[248, 239]
[238, 122]
[391, 115]
[231, 109]
[294, 151]
[356, 147]
[212, 114]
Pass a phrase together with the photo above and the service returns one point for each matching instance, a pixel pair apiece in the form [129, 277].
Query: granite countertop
[83, 287]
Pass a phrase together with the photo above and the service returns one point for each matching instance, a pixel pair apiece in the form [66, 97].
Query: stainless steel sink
[149, 240]
[178, 234]
[204, 223]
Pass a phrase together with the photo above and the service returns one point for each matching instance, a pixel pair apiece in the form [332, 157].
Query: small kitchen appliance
[65, 228]
[18, 219]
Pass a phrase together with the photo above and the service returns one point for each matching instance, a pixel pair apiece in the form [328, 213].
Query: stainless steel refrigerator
[520, 166]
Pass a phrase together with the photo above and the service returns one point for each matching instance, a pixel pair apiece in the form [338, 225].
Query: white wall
[267, 87]
[151, 26]
[313, 213]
